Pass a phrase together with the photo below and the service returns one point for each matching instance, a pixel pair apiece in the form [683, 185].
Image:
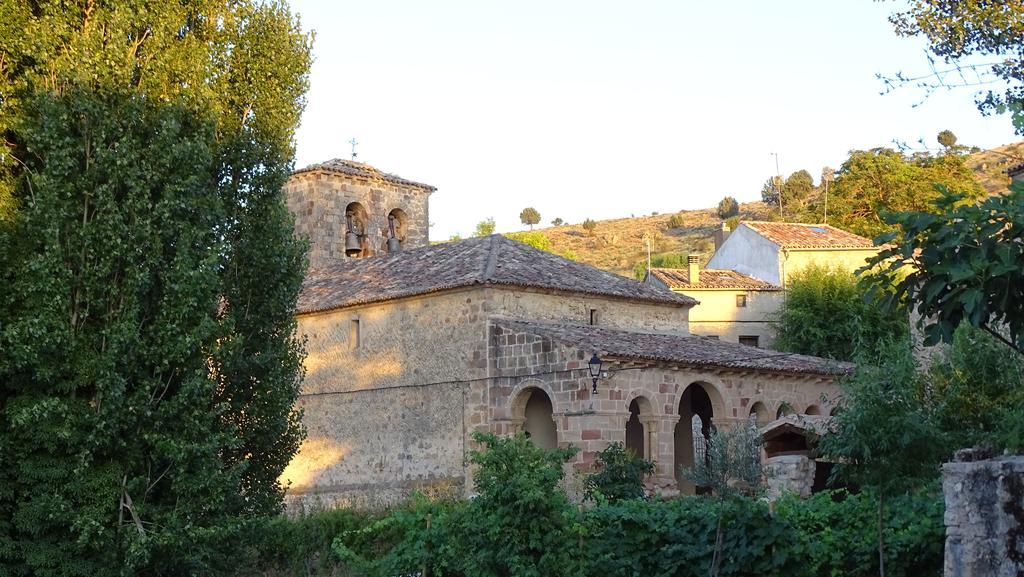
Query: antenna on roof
[354, 143]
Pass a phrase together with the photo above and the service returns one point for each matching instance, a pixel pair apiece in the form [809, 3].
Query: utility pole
[827, 176]
[778, 185]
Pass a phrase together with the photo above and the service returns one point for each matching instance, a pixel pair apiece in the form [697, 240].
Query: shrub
[590, 226]
[484, 227]
[834, 534]
[620, 475]
[537, 240]
[676, 221]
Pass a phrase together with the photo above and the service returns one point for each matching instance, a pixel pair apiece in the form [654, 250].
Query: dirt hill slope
[618, 244]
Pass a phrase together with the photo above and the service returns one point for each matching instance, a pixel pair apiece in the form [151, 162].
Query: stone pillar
[789, 474]
[984, 515]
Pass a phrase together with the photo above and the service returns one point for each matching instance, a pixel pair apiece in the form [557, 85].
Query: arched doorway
[539, 424]
[696, 421]
[813, 410]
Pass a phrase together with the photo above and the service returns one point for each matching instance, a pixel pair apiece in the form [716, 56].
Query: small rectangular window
[741, 300]
[593, 317]
[353, 335]
[712, 337]
[749, 340]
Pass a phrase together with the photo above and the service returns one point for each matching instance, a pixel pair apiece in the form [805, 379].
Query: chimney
[721, 234]
[694, 261]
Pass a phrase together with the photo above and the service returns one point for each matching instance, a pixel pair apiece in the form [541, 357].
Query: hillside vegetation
[617, 245]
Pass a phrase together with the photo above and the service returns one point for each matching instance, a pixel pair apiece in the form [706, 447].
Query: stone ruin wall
[984, 516]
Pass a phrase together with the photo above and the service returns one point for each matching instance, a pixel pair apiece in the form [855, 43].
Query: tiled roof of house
[685, 350]
[798, 235]
[799, 424]
[490, 260]
[1015, 170]
[353, 168]
[679, 278]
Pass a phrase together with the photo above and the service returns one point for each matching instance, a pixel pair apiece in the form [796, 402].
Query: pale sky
[606, 109]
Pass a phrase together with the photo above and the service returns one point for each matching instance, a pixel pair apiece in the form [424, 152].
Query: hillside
[990, 166]
[618, 244]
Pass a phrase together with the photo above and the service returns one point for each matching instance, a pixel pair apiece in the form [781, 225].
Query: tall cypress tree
[148, 357]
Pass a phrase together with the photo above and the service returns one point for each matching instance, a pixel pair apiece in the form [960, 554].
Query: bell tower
[349, 209]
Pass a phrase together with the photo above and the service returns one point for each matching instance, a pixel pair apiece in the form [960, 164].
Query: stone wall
[395, 413]
[318, 200]
[617, 314]
[984, 516]
[789, 474]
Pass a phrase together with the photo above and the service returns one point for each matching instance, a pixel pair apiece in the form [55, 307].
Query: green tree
[885, 437]
[484, 227]
[150, 361]
[619, 475]
[557, 222]
[966, 265]
[947, 139]
[529, 216]
[959, 32]
[826, 314]
[872, 182]
[728, 208]
[770, 192]
[730, 469]
[590, 226]
[796, 191]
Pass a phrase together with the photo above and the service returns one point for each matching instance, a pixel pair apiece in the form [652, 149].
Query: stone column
[984, 515]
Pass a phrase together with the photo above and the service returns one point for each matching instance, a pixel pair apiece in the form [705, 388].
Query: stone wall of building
[318, 199]
[984, 516]
[395, 413]
[618, 314]
[794, 261]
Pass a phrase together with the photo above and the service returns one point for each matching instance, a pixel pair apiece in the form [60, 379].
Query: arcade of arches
[673, 437]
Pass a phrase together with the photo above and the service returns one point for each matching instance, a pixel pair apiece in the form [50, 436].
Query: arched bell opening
[356, 224]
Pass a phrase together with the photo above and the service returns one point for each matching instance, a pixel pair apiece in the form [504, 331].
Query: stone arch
[359, 220]
[813, 410]
[533, 413]
[784, 409]
[638, 426]
[759, 412]
[401, 224]
[703, 401]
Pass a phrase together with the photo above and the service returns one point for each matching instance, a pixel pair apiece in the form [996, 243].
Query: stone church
[412, 347]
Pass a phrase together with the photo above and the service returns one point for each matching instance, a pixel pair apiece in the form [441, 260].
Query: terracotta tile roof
[491, 260]
[711, 278]
[685, 350]
[353, 168]
[1015, 170]
[798, 235]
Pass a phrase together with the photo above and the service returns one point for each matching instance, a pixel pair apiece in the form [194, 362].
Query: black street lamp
[595, 370]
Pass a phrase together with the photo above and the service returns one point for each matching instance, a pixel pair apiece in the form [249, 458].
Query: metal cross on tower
[354, 143]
